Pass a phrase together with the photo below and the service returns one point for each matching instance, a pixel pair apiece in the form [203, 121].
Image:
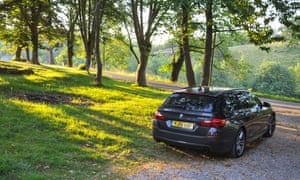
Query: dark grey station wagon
[221, 120]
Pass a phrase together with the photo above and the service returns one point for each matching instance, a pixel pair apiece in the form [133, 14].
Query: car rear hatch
[189, 114]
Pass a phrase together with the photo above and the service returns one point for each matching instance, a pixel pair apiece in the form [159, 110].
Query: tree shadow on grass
[33, 145]
[50, 143]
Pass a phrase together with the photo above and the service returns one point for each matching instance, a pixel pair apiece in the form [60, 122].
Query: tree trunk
[176, 65]
[99, 63]
[52, 61]
[70, 52]
[35, 42]
[188, 63]
[71, 37]
[141, 68]
[27, 54]
[208, 45]
[87, 29]
[186, 47]
[97, 48]
[89, 53]
[35, 16]
[18, 53]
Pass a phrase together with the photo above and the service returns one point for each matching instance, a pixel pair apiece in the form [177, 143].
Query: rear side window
[191, 102]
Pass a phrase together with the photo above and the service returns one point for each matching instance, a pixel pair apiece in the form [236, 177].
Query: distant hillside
[280, 52]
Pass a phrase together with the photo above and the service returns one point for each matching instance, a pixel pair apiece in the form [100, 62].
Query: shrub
[274, 79]
[295, 70]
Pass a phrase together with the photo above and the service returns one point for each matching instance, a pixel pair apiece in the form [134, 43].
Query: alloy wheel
[271, 127]
[239, 145]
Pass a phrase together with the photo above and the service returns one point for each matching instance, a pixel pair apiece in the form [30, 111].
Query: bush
[295, 70]
[274, 79]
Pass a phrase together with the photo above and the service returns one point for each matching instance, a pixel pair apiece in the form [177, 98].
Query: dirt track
[269, 158]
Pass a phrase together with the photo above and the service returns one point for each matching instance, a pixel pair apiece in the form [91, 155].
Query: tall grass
[99, 140]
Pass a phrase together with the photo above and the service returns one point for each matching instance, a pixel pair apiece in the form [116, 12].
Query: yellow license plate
[181, 124]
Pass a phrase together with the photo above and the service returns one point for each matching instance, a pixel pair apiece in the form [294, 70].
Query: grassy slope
[54, 141]
[280, 52]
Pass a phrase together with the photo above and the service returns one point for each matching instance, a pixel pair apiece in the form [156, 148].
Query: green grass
[280, 52]
[100, 140]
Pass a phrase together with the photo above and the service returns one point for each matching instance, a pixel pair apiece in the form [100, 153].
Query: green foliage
[280, 53]
[274, 79]
[115, 57]
[295, 70]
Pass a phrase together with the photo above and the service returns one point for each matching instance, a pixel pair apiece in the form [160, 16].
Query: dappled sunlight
[3, 81]
[98, 94]
[76, 125]
[45, 73]
[113, 123]
[75, 128]
[44, 77]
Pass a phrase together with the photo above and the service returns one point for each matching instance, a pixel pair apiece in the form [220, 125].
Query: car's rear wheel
[271, 127]
[239, 144]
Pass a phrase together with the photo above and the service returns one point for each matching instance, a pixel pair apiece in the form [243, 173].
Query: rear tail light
[215, 122]
[159, 116]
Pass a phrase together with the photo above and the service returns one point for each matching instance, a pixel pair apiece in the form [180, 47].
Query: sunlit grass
[100, 140]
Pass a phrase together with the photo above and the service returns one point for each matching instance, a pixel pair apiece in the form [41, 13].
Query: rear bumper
[217, 144]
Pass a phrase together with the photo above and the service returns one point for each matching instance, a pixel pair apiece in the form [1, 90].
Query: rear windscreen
[191, 102]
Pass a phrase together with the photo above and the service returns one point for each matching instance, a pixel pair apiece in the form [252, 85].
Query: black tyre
[239, 144]
[271, 127]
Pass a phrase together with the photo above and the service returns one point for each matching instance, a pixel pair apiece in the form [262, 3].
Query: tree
[206, 74]
[13, 30]
[86, 11]
[288, 14]
[186, 7]
[184, 28]
[237, 15]
[34, 15]
[154, 11]
[272, 78]
[72, 18]
[177, 62]
[99, 13]
[92, 14]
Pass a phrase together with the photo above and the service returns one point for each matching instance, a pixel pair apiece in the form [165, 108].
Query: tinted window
[191, 102]
[231, 104]
[243, 100]
[248, 101]
[254, 103]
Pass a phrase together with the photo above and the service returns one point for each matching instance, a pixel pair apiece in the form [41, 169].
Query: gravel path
[276, 158]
